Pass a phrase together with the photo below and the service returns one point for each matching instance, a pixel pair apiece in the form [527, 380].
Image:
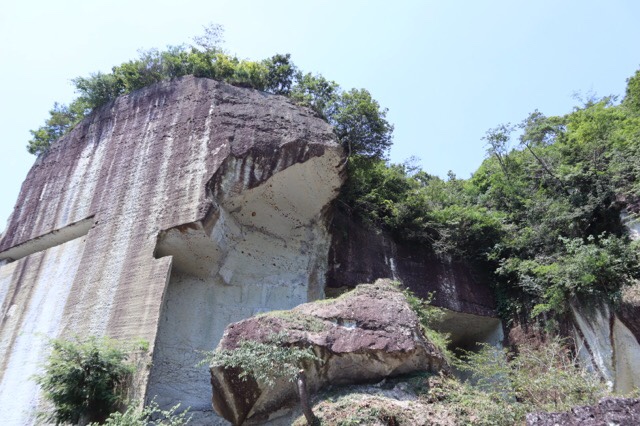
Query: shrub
[501, 391]
[150, 415]
[85, 380]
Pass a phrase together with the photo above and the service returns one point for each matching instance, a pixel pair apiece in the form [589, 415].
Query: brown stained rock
[609, 411]
[361, 254]
[363, 336]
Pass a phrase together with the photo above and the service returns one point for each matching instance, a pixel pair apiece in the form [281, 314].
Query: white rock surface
[608, 346]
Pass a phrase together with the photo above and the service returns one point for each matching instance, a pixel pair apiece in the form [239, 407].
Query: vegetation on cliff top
[358, 120]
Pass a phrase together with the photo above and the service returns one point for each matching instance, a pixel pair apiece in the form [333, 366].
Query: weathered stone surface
[609, 411]
[165, 215]
[359, 254]
[607, 346]
[363, 336]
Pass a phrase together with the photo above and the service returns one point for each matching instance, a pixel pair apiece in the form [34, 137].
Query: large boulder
[365, 335]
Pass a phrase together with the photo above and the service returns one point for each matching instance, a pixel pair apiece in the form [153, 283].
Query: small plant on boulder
[268, 362]
[429, 316]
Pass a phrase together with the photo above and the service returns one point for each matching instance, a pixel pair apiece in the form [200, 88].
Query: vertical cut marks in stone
[34, 292]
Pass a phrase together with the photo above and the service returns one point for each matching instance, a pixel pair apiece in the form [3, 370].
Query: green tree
[85, 380]
[249, 74]
[540, 132]
[498, 144]
[316, 92]
[211, 40]
[61, 119]
[360, 124]
[280, 74]
[632, 96]
[99, 89]
[142, 72]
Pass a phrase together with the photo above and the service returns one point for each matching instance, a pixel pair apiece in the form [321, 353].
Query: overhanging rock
[360, 253]
[164, 216]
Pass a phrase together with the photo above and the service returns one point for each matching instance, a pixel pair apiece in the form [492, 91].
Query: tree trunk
[312, 420]
[546, 168]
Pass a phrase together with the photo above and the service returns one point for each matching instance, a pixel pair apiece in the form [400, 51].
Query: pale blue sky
[447, 70]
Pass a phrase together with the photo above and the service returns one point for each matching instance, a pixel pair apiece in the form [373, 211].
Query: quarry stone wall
[360, 254]
[163, 217]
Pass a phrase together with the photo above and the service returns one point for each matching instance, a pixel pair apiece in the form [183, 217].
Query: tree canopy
[359, 121]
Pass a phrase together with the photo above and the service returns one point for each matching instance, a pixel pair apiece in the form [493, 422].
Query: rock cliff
[165, 215]
[360, 254]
